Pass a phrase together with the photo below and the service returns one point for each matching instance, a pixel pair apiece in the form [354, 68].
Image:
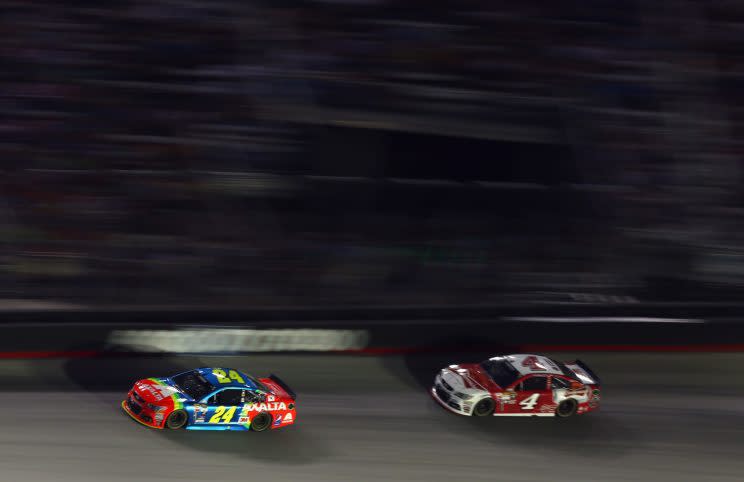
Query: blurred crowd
[238, 151]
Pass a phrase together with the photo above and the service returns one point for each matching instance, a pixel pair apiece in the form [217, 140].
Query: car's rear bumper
[587, 407]
[126, 408]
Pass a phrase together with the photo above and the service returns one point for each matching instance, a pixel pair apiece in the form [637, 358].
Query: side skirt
[218, 427]
[524, 415]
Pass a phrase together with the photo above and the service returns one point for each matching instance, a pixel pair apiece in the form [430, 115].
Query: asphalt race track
[665, 417]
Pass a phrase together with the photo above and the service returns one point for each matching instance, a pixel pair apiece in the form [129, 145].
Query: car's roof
[228, 378]
[528, 364]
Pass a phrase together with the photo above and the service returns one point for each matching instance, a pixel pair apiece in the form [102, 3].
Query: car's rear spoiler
[589, 371]
[284, 386]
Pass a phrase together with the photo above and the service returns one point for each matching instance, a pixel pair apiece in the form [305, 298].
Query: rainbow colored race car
[212, 399]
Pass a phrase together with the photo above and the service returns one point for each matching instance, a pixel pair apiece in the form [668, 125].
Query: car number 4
[529, 402]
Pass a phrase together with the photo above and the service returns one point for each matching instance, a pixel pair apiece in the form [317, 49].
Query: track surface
[665, 417]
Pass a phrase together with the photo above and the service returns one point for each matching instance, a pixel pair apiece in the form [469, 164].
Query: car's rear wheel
[566, 408]
[261, 422]
[484, 408]
[177, 419]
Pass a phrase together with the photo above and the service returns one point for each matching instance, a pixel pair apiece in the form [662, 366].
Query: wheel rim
[566, 408]
[177, 420]
[483, 407]
[261, 422]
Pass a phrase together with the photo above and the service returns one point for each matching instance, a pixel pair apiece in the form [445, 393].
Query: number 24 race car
[212, 399]
[518, 385]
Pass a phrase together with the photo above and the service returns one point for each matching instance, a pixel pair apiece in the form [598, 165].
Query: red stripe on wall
[528, 348]
[48, 354]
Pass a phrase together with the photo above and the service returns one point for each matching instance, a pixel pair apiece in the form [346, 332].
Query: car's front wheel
[566, 408]
[177, 419]
[261, 422]
[484, 408]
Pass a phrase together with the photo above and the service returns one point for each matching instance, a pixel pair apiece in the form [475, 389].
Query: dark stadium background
[276, 152]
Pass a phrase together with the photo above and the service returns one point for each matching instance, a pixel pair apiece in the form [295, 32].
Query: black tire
[484, 408]
[177, 419]
[261, 422]
[566, 408]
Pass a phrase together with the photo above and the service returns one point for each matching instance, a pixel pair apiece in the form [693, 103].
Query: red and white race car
[518, 385]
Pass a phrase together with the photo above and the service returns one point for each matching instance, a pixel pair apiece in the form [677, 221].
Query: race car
[212, 399]
[518, 385]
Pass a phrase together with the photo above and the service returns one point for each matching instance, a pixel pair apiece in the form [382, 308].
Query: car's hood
[468, 377]
[159, 391]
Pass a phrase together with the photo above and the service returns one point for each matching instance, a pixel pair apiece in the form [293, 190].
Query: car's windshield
[500, 371]
[193, 384]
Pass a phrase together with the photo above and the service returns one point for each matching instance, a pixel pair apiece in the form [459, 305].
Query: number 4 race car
[518, 385]
[212, 399]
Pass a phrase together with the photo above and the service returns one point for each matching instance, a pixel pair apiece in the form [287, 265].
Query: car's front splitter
[135, 418]
[436, 398]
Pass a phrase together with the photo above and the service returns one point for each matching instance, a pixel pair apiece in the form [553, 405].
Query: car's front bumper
[438, 399]
[142, 419]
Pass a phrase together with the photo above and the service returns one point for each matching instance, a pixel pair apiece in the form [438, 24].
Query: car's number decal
[222, 415]
[228, 377]
[529, 402]
[533, 363]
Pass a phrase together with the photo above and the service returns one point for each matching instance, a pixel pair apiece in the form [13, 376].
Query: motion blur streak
[664, 417]
[351, 152]
[238, 340]
[48, 354]
[599, 319]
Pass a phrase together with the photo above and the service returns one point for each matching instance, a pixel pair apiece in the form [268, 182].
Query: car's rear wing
[283, 385]
[589, 372]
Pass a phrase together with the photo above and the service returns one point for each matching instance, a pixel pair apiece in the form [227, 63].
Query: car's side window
[252, 397]
[231, 396]
[559, 382]
[534, 383]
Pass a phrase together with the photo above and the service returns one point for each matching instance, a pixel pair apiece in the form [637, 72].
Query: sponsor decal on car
[278, 420]
[507, 397]
[288, 418]
[264, 407]
[594, 402]
[547, 408]
[577, 392]
[158, 392]
[200, 413]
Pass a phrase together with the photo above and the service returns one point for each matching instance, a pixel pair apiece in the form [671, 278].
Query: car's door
[532, 393]
[223, 408]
